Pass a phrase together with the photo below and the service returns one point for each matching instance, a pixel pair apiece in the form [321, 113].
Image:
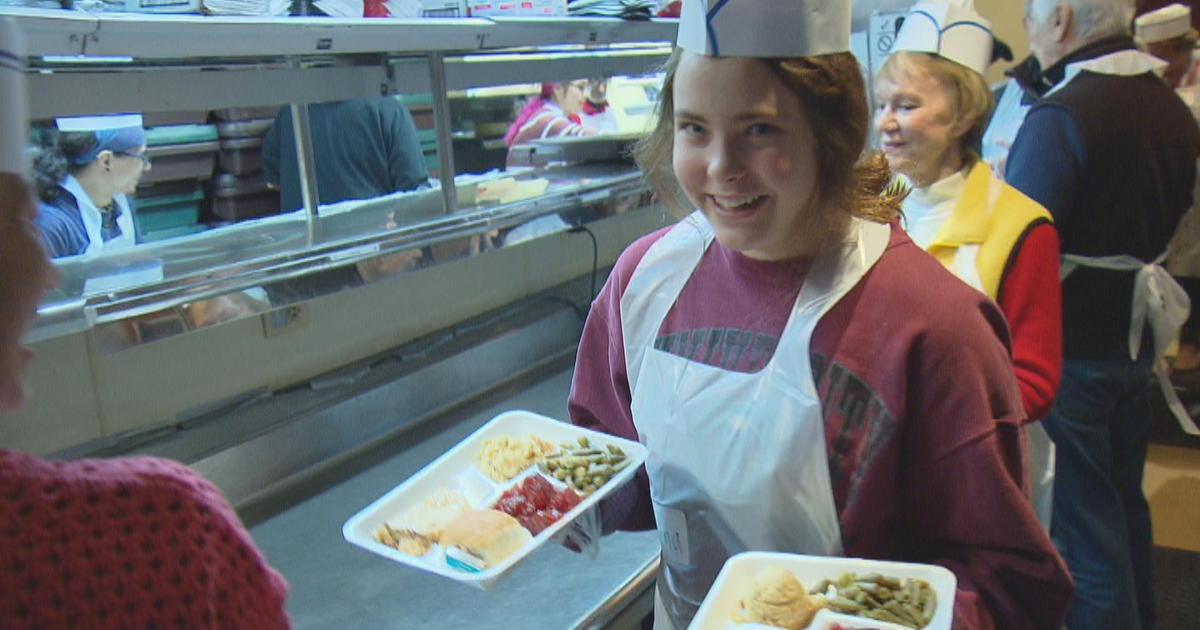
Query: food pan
[723, 602]
[456, 470]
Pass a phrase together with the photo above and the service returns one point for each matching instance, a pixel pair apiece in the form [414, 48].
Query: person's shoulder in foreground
[133, 542]
[935, 353]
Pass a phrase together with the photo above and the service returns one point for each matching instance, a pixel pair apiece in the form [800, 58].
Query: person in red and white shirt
[553, 113]
[597, 113]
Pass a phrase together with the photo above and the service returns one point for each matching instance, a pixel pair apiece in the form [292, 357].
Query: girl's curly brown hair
[833, 95]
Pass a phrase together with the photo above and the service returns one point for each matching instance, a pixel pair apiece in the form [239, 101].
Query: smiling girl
[804, 377]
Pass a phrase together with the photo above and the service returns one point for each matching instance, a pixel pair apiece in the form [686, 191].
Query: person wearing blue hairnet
[84, 180]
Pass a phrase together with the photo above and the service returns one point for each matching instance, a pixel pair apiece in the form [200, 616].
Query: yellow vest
[993, 215]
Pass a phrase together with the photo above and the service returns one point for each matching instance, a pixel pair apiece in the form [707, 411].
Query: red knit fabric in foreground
[126, 543]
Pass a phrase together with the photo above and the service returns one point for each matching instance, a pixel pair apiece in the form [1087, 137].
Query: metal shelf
[84, 63]
[143, 36]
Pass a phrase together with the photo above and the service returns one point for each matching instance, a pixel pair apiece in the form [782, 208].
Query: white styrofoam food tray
[723, 599]
[456, 470]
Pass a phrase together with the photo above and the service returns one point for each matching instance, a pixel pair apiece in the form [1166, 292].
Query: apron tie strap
[1158, 300]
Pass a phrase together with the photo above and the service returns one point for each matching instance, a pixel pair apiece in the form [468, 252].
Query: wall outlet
[281, 319]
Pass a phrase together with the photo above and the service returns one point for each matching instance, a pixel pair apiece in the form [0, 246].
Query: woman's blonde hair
[832, 94]
[973, 99]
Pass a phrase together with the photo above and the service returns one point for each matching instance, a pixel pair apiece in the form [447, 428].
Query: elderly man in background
[1110, 151]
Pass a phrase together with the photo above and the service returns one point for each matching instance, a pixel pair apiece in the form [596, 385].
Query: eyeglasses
[141, 156]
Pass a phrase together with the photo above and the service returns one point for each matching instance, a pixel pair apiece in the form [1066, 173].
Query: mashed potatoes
[776, 598]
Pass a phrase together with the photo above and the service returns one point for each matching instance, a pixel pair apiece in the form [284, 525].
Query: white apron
[1158, 300]
[1190, 96]
[1002, 128]
[736, 461]
[1157, 297]
[92, 220]
[1039, 445]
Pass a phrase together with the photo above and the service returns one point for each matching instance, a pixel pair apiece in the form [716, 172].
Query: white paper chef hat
[951, 29]
[765, 28]
[98, 123]
[1169, 22]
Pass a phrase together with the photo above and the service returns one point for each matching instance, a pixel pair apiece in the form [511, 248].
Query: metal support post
[441, 120]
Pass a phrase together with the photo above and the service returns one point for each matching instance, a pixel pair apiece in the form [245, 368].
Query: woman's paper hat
[949, 29]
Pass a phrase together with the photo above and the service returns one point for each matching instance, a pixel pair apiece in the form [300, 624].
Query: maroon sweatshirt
[923, 416]
[127, 543]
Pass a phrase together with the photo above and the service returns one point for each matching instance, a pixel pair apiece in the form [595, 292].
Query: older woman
[932, 108]
[804, 378]
[84, 179]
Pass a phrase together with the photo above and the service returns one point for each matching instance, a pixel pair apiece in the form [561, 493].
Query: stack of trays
[238, 191]
[167, 211]
[180, 152]
[181, 149]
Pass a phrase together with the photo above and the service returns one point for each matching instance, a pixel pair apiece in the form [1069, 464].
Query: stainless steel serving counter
[337, 585]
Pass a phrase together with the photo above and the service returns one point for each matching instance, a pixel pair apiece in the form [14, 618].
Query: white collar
[945, 189]
[1124, 63]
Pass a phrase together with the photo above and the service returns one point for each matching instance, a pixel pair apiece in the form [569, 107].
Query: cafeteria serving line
[553, 588]
[405, 315]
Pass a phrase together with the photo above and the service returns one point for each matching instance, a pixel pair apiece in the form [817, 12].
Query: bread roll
[490, 535]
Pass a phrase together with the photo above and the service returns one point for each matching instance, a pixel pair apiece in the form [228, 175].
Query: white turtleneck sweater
[927, 209]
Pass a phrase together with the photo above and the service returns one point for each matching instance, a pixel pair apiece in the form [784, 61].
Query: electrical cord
[595, 256]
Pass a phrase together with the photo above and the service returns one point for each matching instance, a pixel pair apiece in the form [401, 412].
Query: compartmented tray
[720, 608]
[456, 471]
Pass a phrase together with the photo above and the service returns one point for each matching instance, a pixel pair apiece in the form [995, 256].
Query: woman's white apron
[92, 219]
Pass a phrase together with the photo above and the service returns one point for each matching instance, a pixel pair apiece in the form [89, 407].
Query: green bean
[914, 613]
[841, 604]
[895, 608]
[928, 604]
[881, 614]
